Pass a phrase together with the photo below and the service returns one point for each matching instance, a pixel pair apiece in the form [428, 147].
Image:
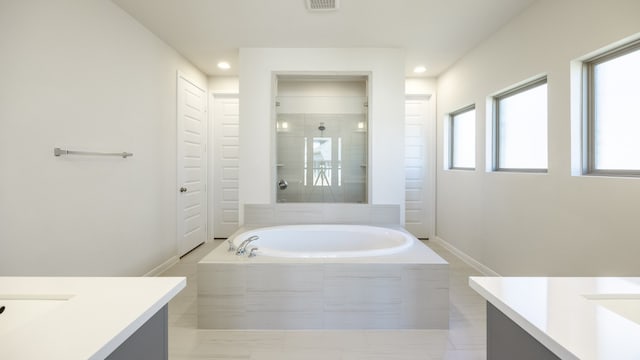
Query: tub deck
[406, 290]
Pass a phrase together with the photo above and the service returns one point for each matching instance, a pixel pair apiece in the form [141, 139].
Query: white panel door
[191, 129]
[225, 173]
[417, 217]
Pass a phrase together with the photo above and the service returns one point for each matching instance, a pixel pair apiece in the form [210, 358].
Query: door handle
[183, 189]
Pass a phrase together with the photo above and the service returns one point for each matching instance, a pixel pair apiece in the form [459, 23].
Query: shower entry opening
[321, 139]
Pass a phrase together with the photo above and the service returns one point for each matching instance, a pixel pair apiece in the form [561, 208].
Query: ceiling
[433, 33]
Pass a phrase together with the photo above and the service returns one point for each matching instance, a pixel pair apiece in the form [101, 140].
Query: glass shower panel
[321, 157]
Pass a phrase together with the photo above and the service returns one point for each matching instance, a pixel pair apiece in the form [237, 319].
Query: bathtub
[325, 241]
[324, 277]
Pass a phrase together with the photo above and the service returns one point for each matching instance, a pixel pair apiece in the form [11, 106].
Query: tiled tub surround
[406, 290]
[318, 213]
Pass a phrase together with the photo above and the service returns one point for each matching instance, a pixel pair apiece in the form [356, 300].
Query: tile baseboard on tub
[485, 270]
[162, 267]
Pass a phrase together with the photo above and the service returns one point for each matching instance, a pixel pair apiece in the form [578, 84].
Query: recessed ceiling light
[419, 69]
[224, 65]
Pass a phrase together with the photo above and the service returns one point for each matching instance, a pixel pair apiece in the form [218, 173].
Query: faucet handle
[252, 252]
[232, 247]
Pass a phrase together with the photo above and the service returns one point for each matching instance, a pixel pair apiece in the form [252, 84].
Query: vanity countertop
[77, 317]
[576, 318]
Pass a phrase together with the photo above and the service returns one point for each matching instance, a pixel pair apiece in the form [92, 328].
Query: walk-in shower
[321, 138]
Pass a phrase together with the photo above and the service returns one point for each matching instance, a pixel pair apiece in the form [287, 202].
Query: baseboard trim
[162, 267]
[485, 270]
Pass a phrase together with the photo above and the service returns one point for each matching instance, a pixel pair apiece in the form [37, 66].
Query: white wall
[223, 84]
[386, 107]
[539, 224]
[420, 86]
[85, 75]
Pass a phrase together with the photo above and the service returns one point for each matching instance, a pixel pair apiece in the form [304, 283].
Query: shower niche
[322, 126]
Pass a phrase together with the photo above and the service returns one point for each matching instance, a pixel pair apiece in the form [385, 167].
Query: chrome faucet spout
[242, 248]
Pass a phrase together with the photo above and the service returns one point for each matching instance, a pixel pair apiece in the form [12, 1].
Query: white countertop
[575, 318]
[76, 317]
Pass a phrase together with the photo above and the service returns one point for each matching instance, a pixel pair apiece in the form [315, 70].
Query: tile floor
[465, 339]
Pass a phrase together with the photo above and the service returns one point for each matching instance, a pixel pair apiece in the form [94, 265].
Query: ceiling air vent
[323, 5]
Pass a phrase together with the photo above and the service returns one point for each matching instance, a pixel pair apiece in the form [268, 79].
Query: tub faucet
[243, 246]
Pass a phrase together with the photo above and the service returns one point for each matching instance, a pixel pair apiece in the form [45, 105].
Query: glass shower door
[321, 157]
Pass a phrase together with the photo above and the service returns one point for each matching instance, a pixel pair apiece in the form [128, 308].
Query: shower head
[322, 127]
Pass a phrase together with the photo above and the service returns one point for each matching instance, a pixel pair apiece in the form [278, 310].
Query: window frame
[588, 111]
[496, 129]
[451, 136]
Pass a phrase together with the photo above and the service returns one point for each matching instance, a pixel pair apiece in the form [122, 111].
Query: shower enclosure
[321, 139]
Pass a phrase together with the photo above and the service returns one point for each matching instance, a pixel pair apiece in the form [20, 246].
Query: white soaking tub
[325, 241]
[323, 277]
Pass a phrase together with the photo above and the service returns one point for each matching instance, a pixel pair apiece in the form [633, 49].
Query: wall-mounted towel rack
[58, 152]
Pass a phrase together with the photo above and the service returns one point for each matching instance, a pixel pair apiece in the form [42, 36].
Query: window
[462, 139]
[322, 163]
[520, 128]
[611, 95]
